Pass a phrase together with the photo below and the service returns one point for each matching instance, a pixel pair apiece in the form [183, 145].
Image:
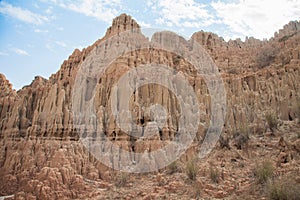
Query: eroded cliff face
[259, 77]
[40, 153]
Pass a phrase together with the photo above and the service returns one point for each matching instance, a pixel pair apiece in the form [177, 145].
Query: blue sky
[36, 36]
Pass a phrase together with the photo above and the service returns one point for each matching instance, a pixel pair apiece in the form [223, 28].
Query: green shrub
[240, 139]
[264, 171]
[272, 121]
[173, 167]
[122, 180]
[284, 189]
[241, 136]
[214, 174]
[192, 169]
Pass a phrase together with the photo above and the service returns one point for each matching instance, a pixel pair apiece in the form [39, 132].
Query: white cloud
[49, 10]
[104, 10]
[21, 52]
[181, 13]
[144, 24]
[60, 28]
[22, 14]
[40, 31]
[258, 18]
[60, 43]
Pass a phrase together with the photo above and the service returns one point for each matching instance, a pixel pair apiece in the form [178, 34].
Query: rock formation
[41, 156]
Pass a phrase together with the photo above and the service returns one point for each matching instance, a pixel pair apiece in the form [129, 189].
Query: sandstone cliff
[40, 153]
[259, 76]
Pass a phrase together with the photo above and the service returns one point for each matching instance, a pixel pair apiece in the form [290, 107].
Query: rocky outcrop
[122, 23]
[257, 74]
[40, 151]
[288, 30]
[6, 86]
[7, 98]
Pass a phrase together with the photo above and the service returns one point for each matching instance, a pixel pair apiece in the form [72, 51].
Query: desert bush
[284, 189]
[266, 56]
[272, 121]
[241, 137]
[263, 171]
[173, 167]
[214, 174]
[122, 180]
[192, 169]
[224, 142]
